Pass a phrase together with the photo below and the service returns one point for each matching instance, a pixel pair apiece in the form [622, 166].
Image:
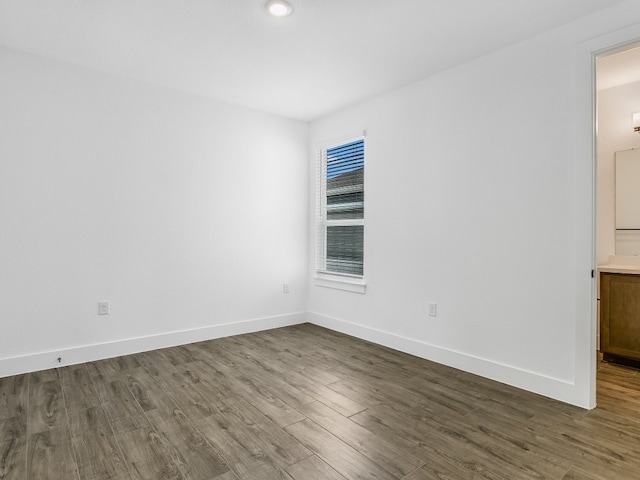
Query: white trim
[346, 284]
[344, 223]
[324, 145]
[87, 353]
[541, 384]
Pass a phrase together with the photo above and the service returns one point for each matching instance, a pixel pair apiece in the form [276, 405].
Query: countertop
[613, 268]
[621, 264]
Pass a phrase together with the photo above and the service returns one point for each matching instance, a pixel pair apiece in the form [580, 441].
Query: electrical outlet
[433, 309]
[285, 288]
[103, 308]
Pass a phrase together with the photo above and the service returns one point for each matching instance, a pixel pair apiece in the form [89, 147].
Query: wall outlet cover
[103, 308]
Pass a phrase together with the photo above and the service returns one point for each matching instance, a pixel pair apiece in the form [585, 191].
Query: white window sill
[346, 284]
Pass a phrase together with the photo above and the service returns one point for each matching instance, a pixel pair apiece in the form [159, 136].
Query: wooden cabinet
[620, 318]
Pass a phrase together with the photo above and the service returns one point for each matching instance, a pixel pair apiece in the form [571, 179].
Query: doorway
[617, 99]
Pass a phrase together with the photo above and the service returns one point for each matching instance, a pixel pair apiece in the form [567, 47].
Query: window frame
[323, 277]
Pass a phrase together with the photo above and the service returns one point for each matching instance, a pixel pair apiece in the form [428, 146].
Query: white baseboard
[88, 353]
[531, 381]
[550, 387]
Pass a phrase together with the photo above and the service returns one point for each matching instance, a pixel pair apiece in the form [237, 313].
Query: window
[340, 212]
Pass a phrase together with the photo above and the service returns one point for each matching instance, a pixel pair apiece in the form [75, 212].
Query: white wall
[478, 197]
[186, 214]
[615, 108]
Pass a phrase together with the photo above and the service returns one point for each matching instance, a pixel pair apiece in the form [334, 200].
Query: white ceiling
[329, 54]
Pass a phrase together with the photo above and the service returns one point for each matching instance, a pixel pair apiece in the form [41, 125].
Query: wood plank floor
[305, 403]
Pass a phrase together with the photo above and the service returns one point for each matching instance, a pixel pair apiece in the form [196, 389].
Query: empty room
[318, 239]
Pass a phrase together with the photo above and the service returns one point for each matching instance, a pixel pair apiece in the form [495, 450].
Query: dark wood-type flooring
[305, 403]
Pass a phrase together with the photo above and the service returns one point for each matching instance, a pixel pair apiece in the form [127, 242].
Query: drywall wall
[187, 215]
[616, 106]
[478, 197]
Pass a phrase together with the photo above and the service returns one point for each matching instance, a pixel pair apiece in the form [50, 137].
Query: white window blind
[340, 214]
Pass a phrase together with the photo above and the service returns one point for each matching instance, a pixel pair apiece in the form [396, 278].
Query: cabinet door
[620, 314]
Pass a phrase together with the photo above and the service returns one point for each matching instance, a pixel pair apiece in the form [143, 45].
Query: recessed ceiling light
[278, 8]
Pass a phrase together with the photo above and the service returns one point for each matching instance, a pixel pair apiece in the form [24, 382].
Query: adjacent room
[304, 239]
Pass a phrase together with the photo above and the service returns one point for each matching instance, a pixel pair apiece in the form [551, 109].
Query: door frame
[586, 133]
